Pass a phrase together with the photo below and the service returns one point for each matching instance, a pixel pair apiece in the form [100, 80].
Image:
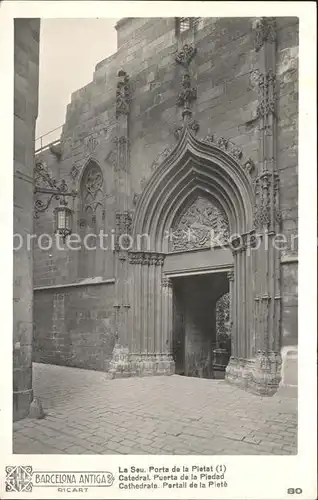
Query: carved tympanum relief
[201, 225]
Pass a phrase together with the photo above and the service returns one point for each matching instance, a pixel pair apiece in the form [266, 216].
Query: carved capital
[166, 282]
[135, 257]
[146, 258]
[230, 275]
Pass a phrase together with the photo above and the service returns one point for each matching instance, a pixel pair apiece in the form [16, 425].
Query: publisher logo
[19, 478]
[23, 478]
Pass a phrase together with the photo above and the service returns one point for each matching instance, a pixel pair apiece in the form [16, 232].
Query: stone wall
[287, 145]
[74, 326]
[26, 67]
[225, 74]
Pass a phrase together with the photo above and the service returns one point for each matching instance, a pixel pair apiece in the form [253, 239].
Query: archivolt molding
[233, 150]
[227, 145]
[160, 158]
[194, 166]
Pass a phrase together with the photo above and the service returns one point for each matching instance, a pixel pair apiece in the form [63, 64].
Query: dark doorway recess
[201, 325]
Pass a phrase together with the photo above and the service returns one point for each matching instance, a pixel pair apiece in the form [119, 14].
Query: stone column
[238, 370]
[265, 374]
[151, 316]
[230, 277]
[120, 362]
[261, 373]
[167, 332]
[26, 77]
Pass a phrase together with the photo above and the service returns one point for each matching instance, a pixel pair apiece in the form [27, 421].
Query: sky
[69, 52]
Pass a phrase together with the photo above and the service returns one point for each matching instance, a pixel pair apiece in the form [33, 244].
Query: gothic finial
[265, 31]
[122, 94]
[185, 56]
[267, 94]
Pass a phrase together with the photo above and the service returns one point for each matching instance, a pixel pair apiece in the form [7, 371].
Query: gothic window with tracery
[92, 189]
[91, 220]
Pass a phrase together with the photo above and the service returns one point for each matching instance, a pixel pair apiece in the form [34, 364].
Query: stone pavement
[88, 414]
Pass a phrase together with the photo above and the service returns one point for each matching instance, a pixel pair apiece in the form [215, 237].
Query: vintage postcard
[158, 187]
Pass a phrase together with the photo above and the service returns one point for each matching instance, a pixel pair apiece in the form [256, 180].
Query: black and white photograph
[156, 252]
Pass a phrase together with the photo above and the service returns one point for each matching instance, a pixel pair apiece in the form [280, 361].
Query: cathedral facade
[182, 154]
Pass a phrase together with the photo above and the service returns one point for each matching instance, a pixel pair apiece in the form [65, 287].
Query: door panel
[178, 332]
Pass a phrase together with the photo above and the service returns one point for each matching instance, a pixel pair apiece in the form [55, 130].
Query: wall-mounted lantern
[63, 220]
[58, 190]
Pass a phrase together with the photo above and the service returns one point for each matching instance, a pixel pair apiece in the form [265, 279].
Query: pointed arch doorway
[198, 265]
[206, 180]
[194, 202]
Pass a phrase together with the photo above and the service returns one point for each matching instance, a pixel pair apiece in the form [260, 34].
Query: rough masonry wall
[224, 71]
[74, 326]
[26, 67]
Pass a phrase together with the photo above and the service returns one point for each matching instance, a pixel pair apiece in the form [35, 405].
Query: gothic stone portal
[201, 330]
[195, 199]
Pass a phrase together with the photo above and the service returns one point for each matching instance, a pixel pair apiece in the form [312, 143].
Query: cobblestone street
[88, 414]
